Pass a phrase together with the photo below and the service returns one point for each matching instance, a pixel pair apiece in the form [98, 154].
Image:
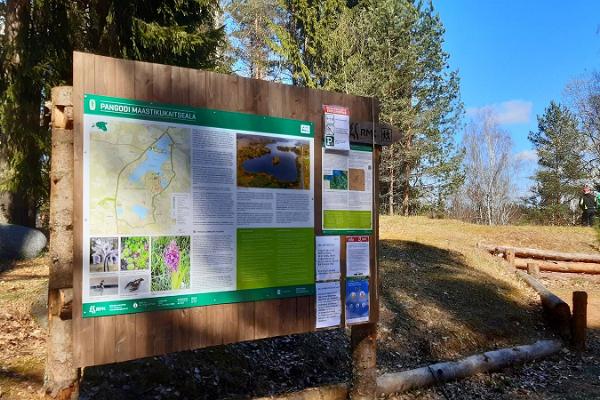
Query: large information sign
[187, 207]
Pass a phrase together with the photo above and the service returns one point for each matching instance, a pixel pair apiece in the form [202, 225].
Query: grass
[443, 298]
[22, 340]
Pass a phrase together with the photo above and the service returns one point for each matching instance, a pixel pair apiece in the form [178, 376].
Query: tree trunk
[61, 377]
[560, 266]
[391, 191]
[407, 170]
[524, 252]
[557, 311]
[448, 371]
[364, 362]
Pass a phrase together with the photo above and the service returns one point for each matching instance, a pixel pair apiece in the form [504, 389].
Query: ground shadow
[436, 307]
[236, 371]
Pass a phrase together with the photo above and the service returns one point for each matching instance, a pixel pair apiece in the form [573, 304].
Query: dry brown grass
[442, 298]
[22, 340]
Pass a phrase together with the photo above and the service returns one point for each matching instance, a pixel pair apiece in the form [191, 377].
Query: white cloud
[527, 155]
[507, 112]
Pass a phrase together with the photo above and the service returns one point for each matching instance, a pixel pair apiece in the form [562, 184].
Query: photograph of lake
[272, 162]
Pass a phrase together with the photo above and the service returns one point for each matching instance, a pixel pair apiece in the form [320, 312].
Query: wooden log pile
[546, 260]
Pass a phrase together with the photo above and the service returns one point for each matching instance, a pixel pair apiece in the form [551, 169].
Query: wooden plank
[78, 83]
[212, 326]
[125, 329]
[246, 327]
[230, 323]
[85, 342]
[197, 331]
[105, 329]
[266, 319]
[288, 322]
[143, 90]
[180, 93]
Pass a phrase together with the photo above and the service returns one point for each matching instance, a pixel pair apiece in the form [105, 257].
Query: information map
[186, 207]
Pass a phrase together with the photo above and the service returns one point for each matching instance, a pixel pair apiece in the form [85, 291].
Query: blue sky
[518, 55]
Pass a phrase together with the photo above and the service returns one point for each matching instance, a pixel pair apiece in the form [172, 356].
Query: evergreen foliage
[36, 53]
[560, 147]
[251, 34]
[397, 56]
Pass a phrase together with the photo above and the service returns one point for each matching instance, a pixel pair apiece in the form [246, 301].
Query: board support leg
[364, 362]
[61, 379]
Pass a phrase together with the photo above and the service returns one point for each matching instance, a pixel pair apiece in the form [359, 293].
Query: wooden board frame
[110, 339]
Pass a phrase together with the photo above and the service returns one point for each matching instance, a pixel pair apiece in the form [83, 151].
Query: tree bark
[579, 322]
[447, 371]
[523, 252]
[407, 170]
[391, 192]
[560, 266]
[61, 377]
[557, 311]
[364, 362]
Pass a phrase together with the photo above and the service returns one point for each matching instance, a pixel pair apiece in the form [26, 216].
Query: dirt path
[593, 308]
[22, 338]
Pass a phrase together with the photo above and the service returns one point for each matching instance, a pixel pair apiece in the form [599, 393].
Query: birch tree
[489, 170]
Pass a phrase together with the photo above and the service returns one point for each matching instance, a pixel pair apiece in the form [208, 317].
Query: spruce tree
[560, 148]
[251, 35]
[36, 48]
[302, 38]
[396, 55]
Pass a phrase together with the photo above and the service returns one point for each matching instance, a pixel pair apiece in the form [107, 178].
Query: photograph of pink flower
[170, 261]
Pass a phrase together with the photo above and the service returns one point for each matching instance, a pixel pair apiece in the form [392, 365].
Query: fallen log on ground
[542, 254]
[557, 311]
[447, 371]
[398, 382]
[559, 266]
[331, 392]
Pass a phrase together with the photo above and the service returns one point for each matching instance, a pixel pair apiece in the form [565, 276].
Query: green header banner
[151, 111]
[117, 307]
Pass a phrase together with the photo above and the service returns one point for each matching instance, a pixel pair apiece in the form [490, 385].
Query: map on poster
[137, 170]
[348, 191]
[186, 207]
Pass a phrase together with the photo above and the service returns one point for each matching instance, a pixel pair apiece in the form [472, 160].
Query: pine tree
[36, 54]
[396, 55]
[302, 39]
[251, 34]
[560, 147]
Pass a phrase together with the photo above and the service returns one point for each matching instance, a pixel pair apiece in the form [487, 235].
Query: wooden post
[533, 269]
[510, 257]
[61, 377]
[579, 321]
[364, 362]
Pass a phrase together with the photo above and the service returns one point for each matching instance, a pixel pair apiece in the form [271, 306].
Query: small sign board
[362, 132]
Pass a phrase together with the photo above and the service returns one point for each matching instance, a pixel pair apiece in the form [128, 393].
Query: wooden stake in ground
[533, 269]
[364, 362]
[61, 378]
[510, 257]
[579, 321]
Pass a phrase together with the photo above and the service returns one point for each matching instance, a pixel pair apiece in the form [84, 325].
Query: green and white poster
[347, 182]
[187, 207]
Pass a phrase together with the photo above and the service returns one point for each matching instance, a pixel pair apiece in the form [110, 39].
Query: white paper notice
[357, 256]
[337, 127]
[329, 304]
[328, 258]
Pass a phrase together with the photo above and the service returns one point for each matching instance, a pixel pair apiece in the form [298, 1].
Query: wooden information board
[106, 92]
